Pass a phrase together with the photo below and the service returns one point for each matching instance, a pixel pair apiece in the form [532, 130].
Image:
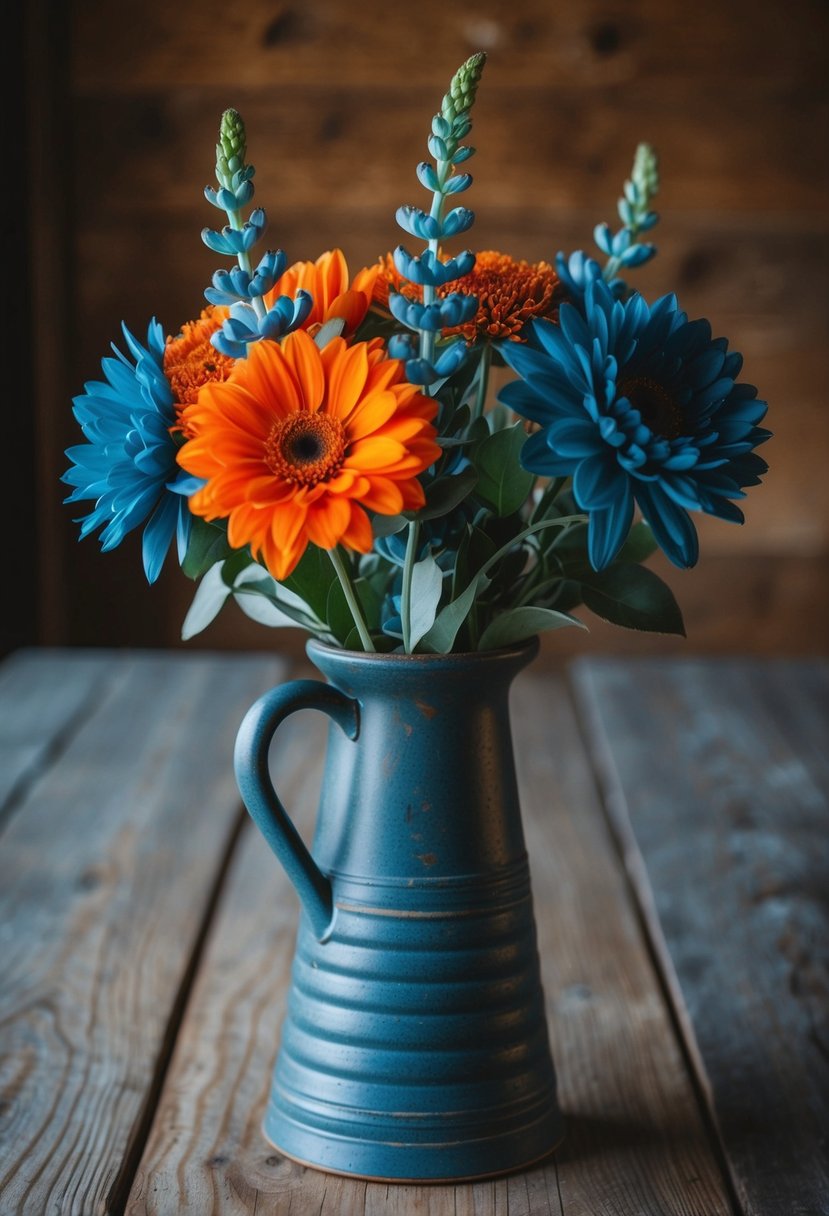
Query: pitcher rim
[529, 646]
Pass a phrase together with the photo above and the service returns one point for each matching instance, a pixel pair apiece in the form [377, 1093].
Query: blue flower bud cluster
[427, 270]
[242, 288]
[246, 325]
[621, 249]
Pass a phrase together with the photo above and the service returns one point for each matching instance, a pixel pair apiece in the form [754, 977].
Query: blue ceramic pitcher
[415, 1042]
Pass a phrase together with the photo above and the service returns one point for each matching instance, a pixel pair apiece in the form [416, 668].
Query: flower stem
[351, 599]
[406, 593]
[483, 382]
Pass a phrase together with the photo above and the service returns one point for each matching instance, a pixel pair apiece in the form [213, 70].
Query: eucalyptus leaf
[210, 596]
[502, 483]
[518, 624]
[262, 609]
[255, 584]
[632, 596]
[388, 525]
[427, 585]
[441, 637]
[239, 562]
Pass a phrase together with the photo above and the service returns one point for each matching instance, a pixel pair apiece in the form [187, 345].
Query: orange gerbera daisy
[326, 280]
[509, 293]
[190, 360]
[298, 443]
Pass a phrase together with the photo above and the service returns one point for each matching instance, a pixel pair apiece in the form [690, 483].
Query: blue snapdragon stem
[232, 148]
[448, 129]
[351, 599]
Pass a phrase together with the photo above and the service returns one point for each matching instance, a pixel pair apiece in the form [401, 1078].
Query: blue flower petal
[127, 466]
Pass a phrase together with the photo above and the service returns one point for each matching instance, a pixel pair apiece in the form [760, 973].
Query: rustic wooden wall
[337, 98]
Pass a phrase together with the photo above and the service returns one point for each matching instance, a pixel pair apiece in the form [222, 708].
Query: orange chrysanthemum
[509, 293]
[190, 361]
[299, 443]
[388, 278]
[326, 280]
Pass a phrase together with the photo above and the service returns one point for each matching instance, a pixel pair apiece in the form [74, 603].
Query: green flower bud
[232, 146]
[645, 175]
[462, 90]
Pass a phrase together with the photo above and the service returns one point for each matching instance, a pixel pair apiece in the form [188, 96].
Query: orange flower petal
[347, 378]
[358, 535]
[327, 520]
[302, 355]
[375, 452]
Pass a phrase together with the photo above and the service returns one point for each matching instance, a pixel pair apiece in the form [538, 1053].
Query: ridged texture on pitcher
[415, 1041]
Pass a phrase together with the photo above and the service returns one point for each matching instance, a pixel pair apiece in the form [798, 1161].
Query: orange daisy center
[305, 448]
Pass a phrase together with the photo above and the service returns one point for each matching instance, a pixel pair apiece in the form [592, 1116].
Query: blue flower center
[660, 413]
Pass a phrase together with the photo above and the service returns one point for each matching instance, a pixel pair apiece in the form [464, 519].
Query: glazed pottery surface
[415, 1041]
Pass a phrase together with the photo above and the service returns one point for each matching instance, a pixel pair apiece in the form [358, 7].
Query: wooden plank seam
[612, 800]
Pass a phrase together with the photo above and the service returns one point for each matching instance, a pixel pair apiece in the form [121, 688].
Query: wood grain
[636, 1143]
[337, 102]
[717, 779]
[44, 695]
[587, 43]
[106, 873]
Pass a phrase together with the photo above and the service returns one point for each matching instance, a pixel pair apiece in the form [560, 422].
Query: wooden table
[676, 817]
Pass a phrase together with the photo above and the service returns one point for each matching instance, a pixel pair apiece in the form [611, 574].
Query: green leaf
[210, 596]
[263, 609]
[441, 637]
[502, 483]
[639, 545]
[518, 624]
[388, 525]
[312, 580]
[445, 493]
[427, 585]
[254, 585]
[632, 596]
[337, 613]
[240, 560]
[207, 546]
[371, 602]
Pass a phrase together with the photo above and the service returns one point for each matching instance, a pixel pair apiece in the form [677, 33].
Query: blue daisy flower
[128, 464]
[638, 405]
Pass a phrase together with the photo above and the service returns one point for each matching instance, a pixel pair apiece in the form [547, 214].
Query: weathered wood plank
[716, 775]
[105, 876]
[588, 43]
[636, 1144]
[552, 148]
[43, 696]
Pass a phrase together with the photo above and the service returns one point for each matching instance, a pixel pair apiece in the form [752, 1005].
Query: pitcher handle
[259, 796]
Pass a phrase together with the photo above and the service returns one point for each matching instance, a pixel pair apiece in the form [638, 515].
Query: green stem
[483, 382]
[406, 593]
[351, 599]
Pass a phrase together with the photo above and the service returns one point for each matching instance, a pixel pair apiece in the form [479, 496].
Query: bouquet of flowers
[324, 449]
